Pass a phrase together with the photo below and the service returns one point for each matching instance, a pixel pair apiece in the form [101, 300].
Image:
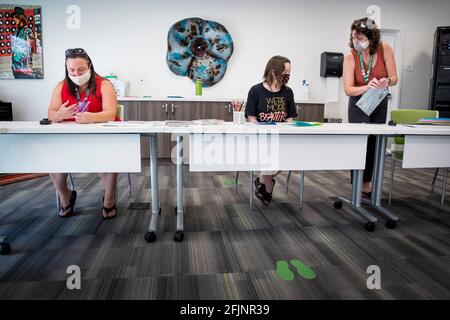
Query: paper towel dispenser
[6, 111]
[331, 64]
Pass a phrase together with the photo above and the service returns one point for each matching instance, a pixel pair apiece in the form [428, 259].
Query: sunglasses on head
[76, 51]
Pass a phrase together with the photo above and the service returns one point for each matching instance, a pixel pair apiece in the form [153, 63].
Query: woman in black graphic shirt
[271, 101]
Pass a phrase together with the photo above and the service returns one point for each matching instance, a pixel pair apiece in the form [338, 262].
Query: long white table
[27, 146]
[327, 147]
[70, 147]
[253, 147]
[426, 146]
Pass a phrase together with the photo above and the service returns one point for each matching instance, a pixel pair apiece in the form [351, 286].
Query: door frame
[398, 54]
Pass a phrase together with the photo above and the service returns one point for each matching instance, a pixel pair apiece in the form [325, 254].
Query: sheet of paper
[371, 100]
[133, 123]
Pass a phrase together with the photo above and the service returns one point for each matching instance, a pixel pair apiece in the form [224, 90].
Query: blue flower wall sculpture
[199, 49]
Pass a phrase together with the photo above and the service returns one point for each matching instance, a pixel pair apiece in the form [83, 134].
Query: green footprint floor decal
[286, 274]
[283, 271]
[230, 182]
[303, 270]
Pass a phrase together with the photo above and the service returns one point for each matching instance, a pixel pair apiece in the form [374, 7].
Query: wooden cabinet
[148, 111]
[310, 112]
[217, 110]
[161, 111]
[154, 111]
[193, 110]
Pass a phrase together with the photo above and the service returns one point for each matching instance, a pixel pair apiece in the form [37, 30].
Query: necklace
[363, 70]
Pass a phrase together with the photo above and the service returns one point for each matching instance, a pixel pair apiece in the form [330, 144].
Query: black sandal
[108, 210]
[367, 194]
[261, 192]
[71, 206]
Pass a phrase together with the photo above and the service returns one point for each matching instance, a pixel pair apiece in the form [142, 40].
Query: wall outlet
[409, 67]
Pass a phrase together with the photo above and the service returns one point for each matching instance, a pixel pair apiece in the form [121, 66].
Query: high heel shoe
[70, 206]
[108, 210]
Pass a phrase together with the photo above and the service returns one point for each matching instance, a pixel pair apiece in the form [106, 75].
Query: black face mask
[285, 78]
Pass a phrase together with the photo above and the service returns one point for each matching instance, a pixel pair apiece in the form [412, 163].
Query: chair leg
[129, 185]
[115, 193]
[302, 188]
[236, 180]
[391, 180]
[434, 180]
[57, 201]
[250, 183]
[72, 185]
[287, 181]
[444, 187]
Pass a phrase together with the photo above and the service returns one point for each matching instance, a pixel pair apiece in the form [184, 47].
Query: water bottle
[198, 87]
[304, 90]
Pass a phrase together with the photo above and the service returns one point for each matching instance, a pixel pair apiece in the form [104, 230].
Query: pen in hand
[85, 107]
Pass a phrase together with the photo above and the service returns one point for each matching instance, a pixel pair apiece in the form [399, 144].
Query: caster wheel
[391, 224]
[150, 236]
[338, 204]
[5, 248]
[178, 236]
[370, 226]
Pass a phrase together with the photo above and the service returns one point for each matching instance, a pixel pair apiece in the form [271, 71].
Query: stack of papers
[306, 124]
[179, 123]
[132, 123]
[123, 123]
[209, 121]
[436, 121]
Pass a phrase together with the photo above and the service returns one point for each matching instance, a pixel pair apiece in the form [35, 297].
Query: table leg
[150, 236]
[444, 187]
[377, 189]
[179, 234]
[302, 188]
[355, 202]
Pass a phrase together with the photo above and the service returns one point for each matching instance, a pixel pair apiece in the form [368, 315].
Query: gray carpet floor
[228, 252]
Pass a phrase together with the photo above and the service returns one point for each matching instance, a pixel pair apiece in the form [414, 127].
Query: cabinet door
[154, 111]
[217, 110]
[130, 110]
[183, 111]
[310, 112]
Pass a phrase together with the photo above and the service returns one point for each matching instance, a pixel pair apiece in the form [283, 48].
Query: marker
[86, 106]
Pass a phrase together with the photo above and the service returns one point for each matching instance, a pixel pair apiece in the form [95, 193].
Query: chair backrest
[411, 116]
[120, 111]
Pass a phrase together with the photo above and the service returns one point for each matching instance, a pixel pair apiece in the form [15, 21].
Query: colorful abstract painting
[199, 49]
[20, 42]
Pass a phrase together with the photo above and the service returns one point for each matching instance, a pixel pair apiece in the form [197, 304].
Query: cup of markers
[83, 106]
[238, 111]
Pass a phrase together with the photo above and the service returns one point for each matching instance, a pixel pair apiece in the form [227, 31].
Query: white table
[426, 146]
[30, 147]
[230, 147]
[27, 146]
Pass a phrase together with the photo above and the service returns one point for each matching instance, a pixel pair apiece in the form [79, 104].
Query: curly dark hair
[367, 27]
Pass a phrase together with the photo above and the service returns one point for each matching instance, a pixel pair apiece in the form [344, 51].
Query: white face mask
[360, 46]
[81, 80]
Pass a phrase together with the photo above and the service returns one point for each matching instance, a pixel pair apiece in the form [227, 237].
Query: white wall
[129, 38]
